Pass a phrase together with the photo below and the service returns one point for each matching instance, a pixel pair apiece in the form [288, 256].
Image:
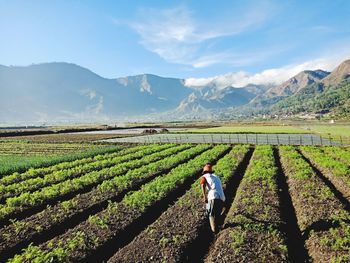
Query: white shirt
[214, 187]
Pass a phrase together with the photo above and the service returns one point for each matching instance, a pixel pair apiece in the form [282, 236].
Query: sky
[200, 40]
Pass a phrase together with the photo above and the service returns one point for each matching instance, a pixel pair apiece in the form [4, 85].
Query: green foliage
[161, 185]
[315, 200]
[316, 97]
[42, 171]
[237, 239]
[11, 163]
[335, 166]
[29, 199]
[259, 183]
[165, 184]
[249, 129]
[61, 175]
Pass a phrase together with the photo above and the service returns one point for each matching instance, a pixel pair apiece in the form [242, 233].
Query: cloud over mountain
[273, 76]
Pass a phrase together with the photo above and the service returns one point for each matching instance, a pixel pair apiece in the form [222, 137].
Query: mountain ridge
[61, 91]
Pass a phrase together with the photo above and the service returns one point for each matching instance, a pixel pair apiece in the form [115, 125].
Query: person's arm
[204, 190]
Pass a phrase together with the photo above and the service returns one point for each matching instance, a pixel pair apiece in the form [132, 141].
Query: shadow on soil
[199, 249]
[295, 243]
[108, 249]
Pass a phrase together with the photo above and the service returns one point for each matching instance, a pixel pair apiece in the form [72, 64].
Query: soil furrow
[319, 212]
[296, 249]
[253, 225]
[201, 247]
[24, 212]
[111, 247]
[84, 206]
[176, 233]
[34, 184]
[328, 182]
[102, 232]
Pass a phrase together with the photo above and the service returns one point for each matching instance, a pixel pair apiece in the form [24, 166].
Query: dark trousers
[214, 207]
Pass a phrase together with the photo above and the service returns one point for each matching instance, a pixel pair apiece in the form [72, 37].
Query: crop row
[24, 230]
[336, 171]
[170, 236]
[315, 205]
[62, 175]
[20, 163]
[38, 172]
[338, 153]
[80, 242]
[252, 226]
[35, 148]
[27, 201]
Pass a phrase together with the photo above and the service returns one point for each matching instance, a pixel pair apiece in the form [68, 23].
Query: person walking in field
[213, 195]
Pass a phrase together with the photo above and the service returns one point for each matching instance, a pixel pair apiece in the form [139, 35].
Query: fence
[273, 139]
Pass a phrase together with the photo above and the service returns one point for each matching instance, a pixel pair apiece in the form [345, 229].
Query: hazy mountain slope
[331, 94]
[54, 92]
[289, 87]
[63, 91]
[338, 74]
[212, 98]
[297, 83]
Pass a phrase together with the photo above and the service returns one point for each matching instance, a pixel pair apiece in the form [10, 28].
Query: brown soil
[309, 206]
[167, 237]
[320, 246]
[53, 220]
[340, 182]
[246, 245]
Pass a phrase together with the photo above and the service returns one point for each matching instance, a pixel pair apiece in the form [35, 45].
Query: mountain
[63, 92]
[289, 87]
[68, 92]
[330, 94]
[296, 83]
[338, 74]
[211, 98]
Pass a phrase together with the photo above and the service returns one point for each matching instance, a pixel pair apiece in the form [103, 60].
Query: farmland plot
[143, 204]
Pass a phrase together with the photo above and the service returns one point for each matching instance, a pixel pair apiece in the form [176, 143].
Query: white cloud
[177, 37]
[273, 76]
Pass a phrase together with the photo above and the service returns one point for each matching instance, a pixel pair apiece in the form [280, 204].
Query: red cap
[208, 168]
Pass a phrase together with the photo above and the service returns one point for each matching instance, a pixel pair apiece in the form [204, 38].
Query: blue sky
[185, 39]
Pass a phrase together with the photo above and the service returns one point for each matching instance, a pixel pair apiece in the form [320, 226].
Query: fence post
[329, 138]
[238, 138]
[229, 138]
[341, 141]
[288, 139]
[312, 140]
[267, 138]
[203, 139]
[321, 140]
[256, 138]
[299, 139]
[246, 138]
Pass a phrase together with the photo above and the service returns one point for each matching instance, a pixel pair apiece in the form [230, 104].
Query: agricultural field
[21, 155]
[251, 129]
[65, 137]
[143, 203]
[330, 130]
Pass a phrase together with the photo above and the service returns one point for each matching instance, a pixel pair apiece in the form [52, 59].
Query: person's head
[208, 168]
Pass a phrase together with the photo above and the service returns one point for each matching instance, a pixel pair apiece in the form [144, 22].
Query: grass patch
[19, 163]
[250, 129]
[332, 130]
